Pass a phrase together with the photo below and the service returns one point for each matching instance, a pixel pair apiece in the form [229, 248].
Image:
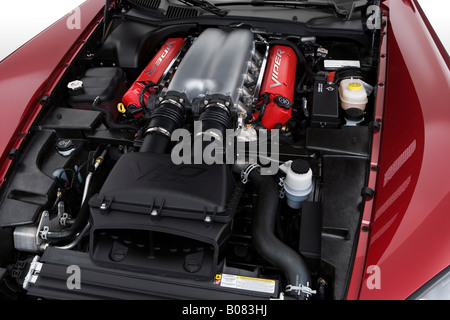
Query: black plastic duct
[164, 120]
[268, 245]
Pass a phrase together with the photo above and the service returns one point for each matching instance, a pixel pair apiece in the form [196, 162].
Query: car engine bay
[271, 212]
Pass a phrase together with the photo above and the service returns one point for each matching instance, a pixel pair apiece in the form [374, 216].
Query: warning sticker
[337, 64]
[246, 283]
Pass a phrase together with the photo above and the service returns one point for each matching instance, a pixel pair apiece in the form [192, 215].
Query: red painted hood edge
[408, 240]
[359, 265]
[33, 71]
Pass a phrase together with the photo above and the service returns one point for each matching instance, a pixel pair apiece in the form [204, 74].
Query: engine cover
[154, 72]
[279, 82]
[216, 63]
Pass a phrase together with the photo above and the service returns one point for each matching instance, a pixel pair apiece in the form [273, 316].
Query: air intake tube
[267, 244]
[166, 118]
[215, 117]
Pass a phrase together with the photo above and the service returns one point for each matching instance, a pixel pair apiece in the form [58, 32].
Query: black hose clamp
[246, 172]
[300, 290]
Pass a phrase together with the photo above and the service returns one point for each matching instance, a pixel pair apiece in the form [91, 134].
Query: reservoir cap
[300, 166]
[354, 114]
[356, 86]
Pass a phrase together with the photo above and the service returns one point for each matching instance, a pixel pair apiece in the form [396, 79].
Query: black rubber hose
[142, 96]
[265, 102]
[266, 243]
[301, 58]
[70, 233]
[164, 119]
[80, 220]
[109, 118]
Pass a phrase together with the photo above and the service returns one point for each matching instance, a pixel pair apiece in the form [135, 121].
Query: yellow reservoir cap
[355, 86]
[121, 108]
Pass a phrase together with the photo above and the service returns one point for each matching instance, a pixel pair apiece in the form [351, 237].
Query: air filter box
[188, 208]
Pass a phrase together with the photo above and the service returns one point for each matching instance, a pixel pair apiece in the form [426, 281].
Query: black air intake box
[154, 216]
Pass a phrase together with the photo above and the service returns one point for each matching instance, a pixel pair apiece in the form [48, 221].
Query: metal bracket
[301, 290]
[282, 191]
[33, 273]
[63, 219]
[42, 228]
[245, 173]
[43, 233]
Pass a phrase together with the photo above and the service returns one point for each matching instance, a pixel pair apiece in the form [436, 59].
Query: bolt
[118, 254]
[192, 265]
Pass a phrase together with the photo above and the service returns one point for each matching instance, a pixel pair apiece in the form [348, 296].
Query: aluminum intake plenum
[217, 63]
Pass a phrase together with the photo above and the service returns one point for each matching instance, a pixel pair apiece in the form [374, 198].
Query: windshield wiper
[205, 5]
[339, 9]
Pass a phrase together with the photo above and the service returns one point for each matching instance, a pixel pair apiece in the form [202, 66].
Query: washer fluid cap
[355, 86]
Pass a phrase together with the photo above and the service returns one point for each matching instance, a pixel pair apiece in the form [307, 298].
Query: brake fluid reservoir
[353, 94]
[298, 182]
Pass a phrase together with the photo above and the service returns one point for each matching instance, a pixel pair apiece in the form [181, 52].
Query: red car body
[404, 226]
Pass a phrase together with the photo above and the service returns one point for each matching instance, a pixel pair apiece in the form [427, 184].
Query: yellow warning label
[247, 283]
[256, 279]
[218, 276]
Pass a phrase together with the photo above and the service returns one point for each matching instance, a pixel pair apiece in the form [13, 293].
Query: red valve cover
[279, 83]
[154, 71]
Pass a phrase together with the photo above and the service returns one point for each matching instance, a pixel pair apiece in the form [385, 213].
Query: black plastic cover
[108, 83]
[142, 182]
[71, 119]
[181, 214]
[353, 141]
[311, 230]
[325, 110]
[106, 283]
[31, 186]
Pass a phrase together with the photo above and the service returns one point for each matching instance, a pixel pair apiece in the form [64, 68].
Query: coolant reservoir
[353, 94]
[298, 182]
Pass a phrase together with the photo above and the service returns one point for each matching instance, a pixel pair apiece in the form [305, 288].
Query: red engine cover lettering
[279, 81]
[154, 71]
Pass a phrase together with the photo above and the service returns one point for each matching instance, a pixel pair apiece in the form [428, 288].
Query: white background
[21, 20]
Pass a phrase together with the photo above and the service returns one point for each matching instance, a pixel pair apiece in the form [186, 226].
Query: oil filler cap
[75, 87]
[283, 102]
[65, 147]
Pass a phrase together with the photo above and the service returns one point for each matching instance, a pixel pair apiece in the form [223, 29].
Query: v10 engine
[219, 79]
